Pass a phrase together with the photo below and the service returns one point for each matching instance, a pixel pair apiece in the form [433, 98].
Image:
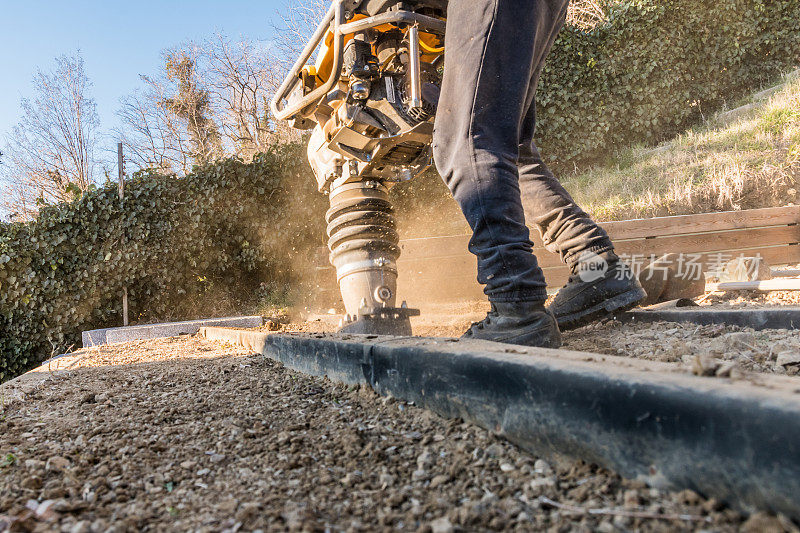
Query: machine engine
[370, 99]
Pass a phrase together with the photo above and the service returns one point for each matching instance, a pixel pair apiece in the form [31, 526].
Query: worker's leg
[565, 228]
[490, 46]
[490, 53]
[600, 283]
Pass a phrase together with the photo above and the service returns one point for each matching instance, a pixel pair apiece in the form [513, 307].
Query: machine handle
[336, 14]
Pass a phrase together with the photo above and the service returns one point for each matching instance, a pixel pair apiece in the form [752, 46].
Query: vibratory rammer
[370, 98]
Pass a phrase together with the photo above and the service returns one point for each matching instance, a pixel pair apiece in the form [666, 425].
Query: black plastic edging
[735, 441]
[758, 319]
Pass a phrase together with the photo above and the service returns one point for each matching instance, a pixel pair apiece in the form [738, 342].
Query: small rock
[216, 457]
[506, 467]
[34, 464]
[247, 513]
[705, 365]
[57, 464]
[541, 485]
[713, 505]
[631, 499]
[541, 466]
[351, 479]
[622, 522]
[688, 497]
[725, 369]
[419, 475]
[81, 527]
[32, 483]
[416, 507]
[762, 523]
[44, 511]
[387, 480]
[441, 525]
[494, 450]
[188, 465]
[203, 471]
[778, 347]
[788, 358]
[439, 480]
[606, 527]
[88, 398]
[228, 506]
[426, 460]
[739, 341]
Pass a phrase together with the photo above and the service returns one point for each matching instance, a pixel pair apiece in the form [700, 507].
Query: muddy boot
[596, 289]
[525, 323]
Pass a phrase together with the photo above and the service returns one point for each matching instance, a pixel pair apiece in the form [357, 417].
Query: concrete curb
[99, 337]
[736, 441]
[758, 319]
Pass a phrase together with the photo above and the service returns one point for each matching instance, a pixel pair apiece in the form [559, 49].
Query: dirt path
[182, 434]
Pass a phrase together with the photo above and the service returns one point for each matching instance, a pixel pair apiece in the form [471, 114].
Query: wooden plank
[712, 242]
[465, 267]
[643, 249]
[703, 222]
[730, 221]
[784, 284]
[423, 279]
[434, 246]
[429, 286]
[422, 291]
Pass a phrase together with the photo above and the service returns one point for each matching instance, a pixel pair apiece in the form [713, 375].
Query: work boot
[525, 323]
[596, 288]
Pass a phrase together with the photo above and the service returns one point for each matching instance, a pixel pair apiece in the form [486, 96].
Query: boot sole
[618, 304]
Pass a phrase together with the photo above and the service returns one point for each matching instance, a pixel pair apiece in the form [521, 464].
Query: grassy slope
[743, 159]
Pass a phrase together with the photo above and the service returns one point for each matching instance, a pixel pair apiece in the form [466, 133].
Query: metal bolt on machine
[370, 99]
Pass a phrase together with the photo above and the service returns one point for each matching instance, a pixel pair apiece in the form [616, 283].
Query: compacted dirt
[183, 434]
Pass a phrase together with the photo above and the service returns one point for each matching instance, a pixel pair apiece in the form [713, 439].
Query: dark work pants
[484, 150]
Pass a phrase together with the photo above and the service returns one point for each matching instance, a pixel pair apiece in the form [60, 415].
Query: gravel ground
[740, 299]
[184, 434]
[715, 350]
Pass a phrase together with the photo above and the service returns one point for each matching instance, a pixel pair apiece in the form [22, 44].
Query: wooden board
[709, 238]
[424, 280]
[726, 224]
[707, 243]
[701, 223]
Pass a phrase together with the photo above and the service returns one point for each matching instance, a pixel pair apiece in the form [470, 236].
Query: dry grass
[742, 159]
[587, 14]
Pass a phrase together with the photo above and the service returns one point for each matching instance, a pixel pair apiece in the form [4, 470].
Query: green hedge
[656, 67]
[229, 224]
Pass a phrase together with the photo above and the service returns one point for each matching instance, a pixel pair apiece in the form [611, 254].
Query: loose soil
[184, 434]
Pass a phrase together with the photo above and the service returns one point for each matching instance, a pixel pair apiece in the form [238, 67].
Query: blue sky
[118, 41]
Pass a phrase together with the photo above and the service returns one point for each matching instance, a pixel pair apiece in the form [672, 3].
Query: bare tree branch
[210, 100]
[50, 153]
